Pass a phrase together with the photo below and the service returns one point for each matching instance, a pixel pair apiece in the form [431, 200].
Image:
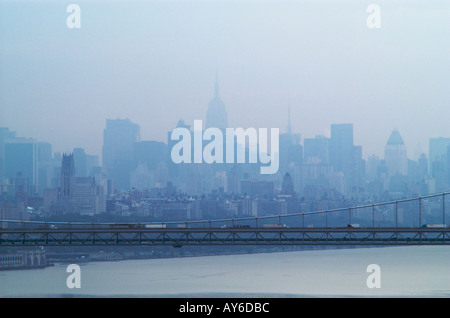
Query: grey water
[413, 271]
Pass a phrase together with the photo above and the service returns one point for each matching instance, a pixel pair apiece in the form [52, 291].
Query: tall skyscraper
[395, 155]
[216, 115]
[21, 158]
[341, 147]
[341, 151]
[119, 137]
[5, 134]
[346, 158]
[438, 153]
[438, 163]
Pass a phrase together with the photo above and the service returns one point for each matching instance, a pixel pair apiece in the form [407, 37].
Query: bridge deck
[225, 236]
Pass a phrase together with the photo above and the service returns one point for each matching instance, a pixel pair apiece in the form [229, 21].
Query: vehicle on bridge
[137, 226]
[155, 226]
[274, 226]
[436, 226]
[236, 226]
[47, 226]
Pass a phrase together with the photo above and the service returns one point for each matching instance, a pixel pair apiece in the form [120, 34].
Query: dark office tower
[21, 158]
[119, 137]
[316, 150]
[216, 115]
[5, 134]
[67, 182]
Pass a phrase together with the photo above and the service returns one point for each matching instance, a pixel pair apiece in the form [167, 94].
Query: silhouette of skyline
[154, 64]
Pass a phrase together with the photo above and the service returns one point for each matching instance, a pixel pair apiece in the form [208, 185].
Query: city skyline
[138, 138]
[155, 63]
[68, 149]
[413, 152]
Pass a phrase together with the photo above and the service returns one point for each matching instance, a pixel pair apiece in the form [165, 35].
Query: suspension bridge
[415, 221]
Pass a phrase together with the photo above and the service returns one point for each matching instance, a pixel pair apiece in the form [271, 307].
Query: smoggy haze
[155, 62]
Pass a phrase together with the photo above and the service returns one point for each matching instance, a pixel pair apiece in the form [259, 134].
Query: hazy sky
[155, 62]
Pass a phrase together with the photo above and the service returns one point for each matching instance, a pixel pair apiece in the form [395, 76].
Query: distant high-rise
[341, 147]
[346, 158]
[67, 182]
[119, 137]
[20, 157]
[341, 151]
[438, 162]
[5, 134]
[216, 115]
[438, 148]
[438, 152]
[395, 155]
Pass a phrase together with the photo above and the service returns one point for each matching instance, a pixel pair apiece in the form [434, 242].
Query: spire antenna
[289, 129]
[216, 91]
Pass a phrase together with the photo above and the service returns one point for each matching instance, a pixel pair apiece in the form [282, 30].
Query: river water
[414, 271]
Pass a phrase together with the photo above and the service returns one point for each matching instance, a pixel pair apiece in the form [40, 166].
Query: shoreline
[116, 256]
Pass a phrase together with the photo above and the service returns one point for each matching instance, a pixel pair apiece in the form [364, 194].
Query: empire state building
[216, 115]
